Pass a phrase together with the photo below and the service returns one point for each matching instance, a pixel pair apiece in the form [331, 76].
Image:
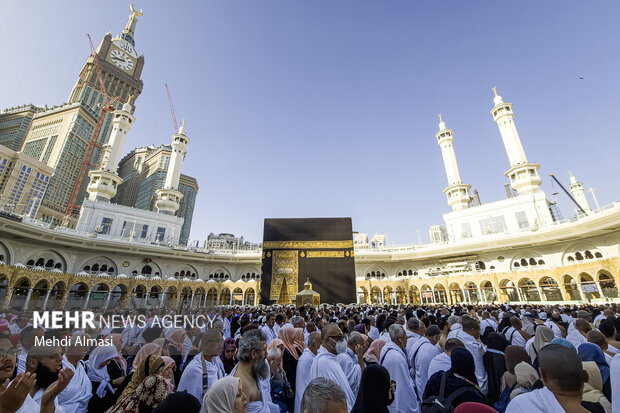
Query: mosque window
[598, 255]
[570, 259]
[480, 266]
[523, 262]
[541, 262]
[516, 265]
[589, 255]
[493, 225]
[522, 220]
[466, 230]
[533, 261]
[578, 256]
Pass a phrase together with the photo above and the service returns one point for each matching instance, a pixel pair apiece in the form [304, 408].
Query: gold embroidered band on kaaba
[306, 244]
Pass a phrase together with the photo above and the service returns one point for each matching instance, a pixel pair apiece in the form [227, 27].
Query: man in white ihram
[326, 364]
[393, 358]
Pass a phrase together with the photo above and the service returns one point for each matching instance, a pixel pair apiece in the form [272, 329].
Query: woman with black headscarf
[375, 392]
[462, 374]
[495, 364]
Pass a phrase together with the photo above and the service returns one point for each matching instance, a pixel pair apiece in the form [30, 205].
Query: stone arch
[6, 253]
[488, 291]
[509, 290]
[237, 296]
[20, 292]
[219, 273]
[471, 292]
[225, 296]
[118, 294]
[362, 295]
[76, 296]
[48, 259]
[99, 296]
[401, 295]
[186, 271]
[440, 293]
[248, 274]
[455, 294]
[211, 300]
[609, 289]
[526, 258]
[528, 289]
[588, 286]
[98, 265]
[56, 298]
[185, 297]
[427, 294]
[376, 296]
[170, 297]
[249, 297]
[388, 295]
[576, 252]
[148, 269]
[572, 288]
[376, 271]
[414, 295]
[39, 292]
[550, 289]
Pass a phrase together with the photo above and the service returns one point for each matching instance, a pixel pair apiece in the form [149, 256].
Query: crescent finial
[495, 90]
[133, 10]
[440, 119]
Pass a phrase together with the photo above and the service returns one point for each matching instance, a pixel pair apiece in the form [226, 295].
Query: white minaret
[104, 181]
[576, 188]
[523, 175]
[169, 198]
[457, 192]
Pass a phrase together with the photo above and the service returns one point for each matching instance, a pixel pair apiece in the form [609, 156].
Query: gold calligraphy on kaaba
[269, 245]
[284, 270]
[325, 254]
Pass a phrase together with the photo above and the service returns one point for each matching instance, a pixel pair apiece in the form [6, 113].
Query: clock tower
[121, 67]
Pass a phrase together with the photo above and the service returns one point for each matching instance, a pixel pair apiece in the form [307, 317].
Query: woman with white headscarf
[543, 337]
[97, 371]
[225, 396]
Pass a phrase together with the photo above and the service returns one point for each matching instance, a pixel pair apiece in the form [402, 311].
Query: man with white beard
[253, 371]
[393, 358]
[326, 364]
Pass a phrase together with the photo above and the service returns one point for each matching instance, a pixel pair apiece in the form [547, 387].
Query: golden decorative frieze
[274, 245]
[325, 254]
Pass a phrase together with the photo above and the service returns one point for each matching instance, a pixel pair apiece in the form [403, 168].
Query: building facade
[23, 182]
[144, 172]
[15, 124]
[59, 136]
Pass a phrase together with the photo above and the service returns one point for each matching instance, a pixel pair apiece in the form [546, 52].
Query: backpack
[504, 399]
[441, 403]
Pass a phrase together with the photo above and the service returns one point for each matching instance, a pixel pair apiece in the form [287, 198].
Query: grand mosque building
[516, 249]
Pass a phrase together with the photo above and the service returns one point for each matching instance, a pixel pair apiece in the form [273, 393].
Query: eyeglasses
[392, 386]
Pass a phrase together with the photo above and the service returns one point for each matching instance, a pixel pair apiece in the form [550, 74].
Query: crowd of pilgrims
[357, 358]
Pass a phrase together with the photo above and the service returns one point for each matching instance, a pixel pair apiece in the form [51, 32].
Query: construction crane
[174, 116]
[107, 105]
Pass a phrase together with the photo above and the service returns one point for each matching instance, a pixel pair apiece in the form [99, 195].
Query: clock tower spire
[121, 66]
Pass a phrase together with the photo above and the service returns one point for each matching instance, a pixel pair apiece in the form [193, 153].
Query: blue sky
[329, 107]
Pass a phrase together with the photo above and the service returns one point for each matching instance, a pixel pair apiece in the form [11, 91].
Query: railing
[257, 250]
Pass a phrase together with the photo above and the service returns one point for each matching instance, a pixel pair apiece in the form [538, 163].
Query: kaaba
[298, 249]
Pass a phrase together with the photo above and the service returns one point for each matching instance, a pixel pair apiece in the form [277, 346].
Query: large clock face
[121, 59]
